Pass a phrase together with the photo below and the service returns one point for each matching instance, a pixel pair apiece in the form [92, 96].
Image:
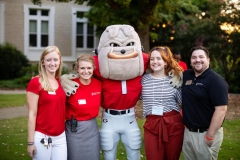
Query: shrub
[21, 82]
[9, 84]
[12, 61]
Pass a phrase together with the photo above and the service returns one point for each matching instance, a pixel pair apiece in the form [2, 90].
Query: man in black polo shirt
[204, 104]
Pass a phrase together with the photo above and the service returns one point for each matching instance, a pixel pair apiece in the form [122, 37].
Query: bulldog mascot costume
[120, 64]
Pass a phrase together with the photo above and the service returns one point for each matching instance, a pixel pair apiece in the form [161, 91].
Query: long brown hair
[167, 56]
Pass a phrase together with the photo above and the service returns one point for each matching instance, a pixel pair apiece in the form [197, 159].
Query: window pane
[80, 15]
[44, 40]
[32, 11]
[90, 29]
[80, 28]
[44, 12]
[79, 41]
[33, 40]
[44, 27]
[89, 41]
[33, 26]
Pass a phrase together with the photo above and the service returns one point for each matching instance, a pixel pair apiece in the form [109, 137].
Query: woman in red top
[82, 109]
[46, 109]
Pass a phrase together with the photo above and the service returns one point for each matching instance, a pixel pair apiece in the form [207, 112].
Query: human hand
[31, 150]
[208, 141]
[175, 81]
[68, 85]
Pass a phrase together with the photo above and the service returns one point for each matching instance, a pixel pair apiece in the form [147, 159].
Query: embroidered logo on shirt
[95, 93]
[199, 84]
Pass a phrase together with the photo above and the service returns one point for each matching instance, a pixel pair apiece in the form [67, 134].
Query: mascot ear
[142, 49]
[96, 51]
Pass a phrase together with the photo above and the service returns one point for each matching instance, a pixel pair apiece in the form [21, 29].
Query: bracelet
[208, 138]
[30, 143]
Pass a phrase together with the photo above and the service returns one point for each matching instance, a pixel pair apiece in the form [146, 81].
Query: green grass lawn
[13, 140]
[13, 135]
[12, 100]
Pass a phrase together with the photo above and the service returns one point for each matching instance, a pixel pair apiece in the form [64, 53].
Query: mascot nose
[123, 51]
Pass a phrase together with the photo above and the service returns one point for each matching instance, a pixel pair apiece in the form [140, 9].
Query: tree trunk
[144, 37]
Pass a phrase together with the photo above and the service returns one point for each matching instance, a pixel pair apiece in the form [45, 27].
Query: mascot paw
[68, 85]
[175, 81]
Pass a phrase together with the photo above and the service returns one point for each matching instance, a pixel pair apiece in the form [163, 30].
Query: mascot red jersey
[120, 64]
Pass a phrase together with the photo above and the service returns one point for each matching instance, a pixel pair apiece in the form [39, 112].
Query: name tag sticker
[157, 110]
[188, 82]
[81, 101]
[53, 93]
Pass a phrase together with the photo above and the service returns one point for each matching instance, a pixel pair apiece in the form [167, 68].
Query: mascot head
[120, 53]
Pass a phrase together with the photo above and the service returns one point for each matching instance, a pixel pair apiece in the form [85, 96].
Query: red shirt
[51, 108]
[112, 97]
[183, 65]
[85, 103]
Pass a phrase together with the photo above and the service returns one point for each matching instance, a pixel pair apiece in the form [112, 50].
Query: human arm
[216, 122]
[32, 101]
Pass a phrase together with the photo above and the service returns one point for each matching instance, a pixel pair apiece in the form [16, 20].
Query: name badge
[82, 101]
[188, 82]
[53, 93]
[157, 110]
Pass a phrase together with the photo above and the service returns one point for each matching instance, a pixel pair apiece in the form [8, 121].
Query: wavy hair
[84, 57]
[42, 70]
[167, 56]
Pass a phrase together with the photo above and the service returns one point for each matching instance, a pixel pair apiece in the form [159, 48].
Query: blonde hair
[167, 56]
[84, 57]
[42, 70]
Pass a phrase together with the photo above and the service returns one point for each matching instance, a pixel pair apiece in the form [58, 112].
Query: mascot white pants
[122, 126]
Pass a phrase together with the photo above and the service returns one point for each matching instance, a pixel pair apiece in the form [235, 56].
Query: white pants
[124, 127]
[57, 151]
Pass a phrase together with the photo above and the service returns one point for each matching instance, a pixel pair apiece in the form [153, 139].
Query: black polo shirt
[200, 95]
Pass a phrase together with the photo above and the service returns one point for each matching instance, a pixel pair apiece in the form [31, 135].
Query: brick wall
[233, 111]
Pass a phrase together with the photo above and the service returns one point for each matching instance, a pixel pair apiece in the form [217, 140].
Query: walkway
[13, 112]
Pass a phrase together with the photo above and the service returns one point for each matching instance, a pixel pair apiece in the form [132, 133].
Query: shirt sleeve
[218, 91]
[179, 96]
[34, 85]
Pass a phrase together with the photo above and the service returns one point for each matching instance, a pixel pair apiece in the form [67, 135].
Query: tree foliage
[201, 25]
[12, 61]
[137, 13]
[179, 24]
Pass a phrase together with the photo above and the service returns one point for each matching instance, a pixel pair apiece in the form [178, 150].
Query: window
[90, 36]
[38, 28]
[84, 32]
[80, 35]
